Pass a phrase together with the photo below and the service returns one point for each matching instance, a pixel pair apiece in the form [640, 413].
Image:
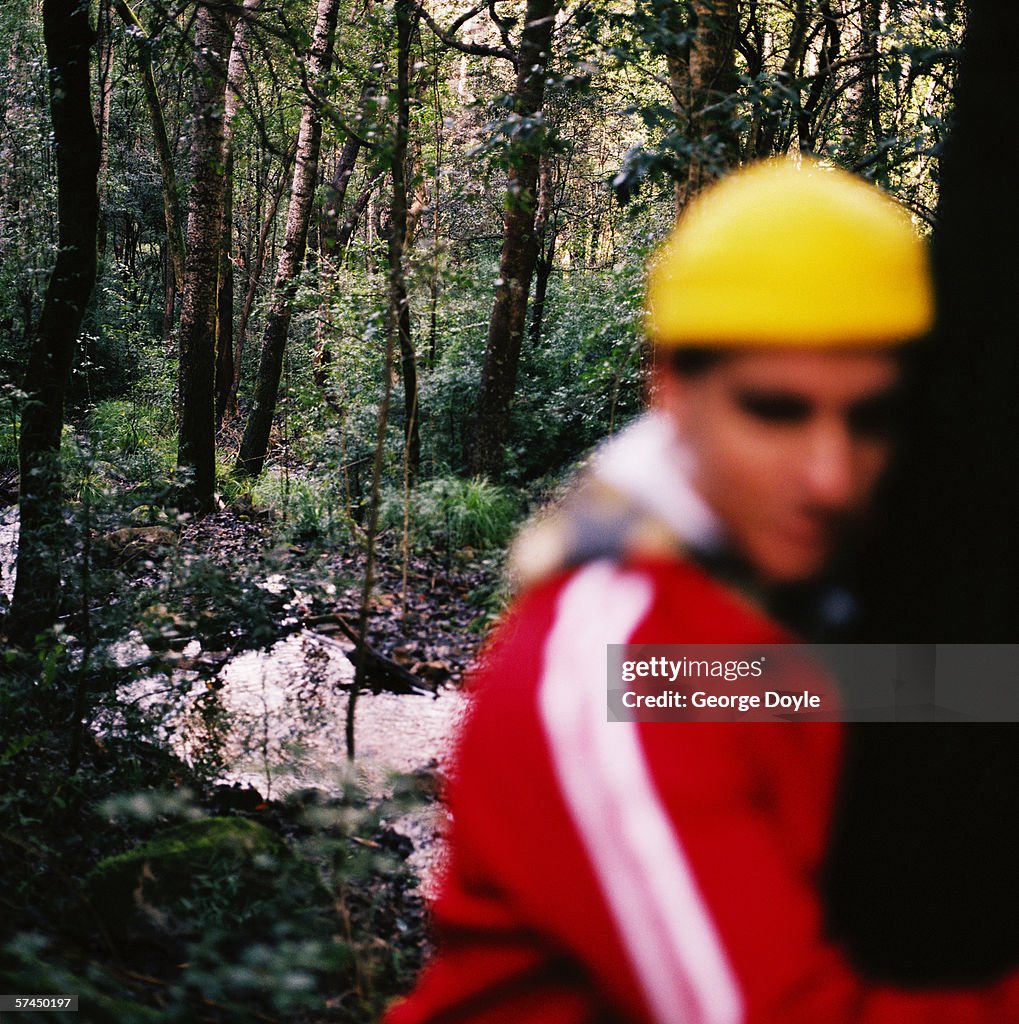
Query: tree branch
[448, 37]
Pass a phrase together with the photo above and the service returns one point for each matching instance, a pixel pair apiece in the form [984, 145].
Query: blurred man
[669, 873]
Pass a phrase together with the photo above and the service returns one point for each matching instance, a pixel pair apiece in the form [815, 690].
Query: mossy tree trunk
[196, 448]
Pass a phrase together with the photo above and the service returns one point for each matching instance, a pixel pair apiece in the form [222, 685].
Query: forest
[304, 308]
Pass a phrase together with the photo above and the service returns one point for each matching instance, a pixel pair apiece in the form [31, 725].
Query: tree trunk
[68, 38]
[169, 297]
[255, 442]
[399, 305]
[349, 225]
[806, 121]
[225, 294]
[955, 550]
[713, 80]
[942, 796]
[104, 46]
[519, 251]
[768, 140]
[546, 246]
[196, 450]
[863, 113]
[171, 203]
[254, 276]
[336, 191]
[225, 371]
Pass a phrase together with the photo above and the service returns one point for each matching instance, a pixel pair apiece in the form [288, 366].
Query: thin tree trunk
[196, 449]
[255, 275]
[336, 191]
[433, 282]
[864, 109]
[546, 247]
[104, 45]
[225, 294]
[349, 225]
[164, 153]
[68, 37]
[331, 247]
[169, 297]
[399, 305]
[519, 251]
[768, 141]
[806, 122]
[225, 371]
[255, 443]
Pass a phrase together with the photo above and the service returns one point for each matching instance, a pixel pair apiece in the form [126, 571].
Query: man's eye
[878, 418]
[776, 409]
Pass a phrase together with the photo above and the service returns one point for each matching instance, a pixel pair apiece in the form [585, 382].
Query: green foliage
[584, 380]
[310, 508]
[134, 440]
[11, 399]
[234, 918]
[209, 873]
[452, 513]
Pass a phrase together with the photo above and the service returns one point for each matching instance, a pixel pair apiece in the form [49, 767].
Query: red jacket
[656, 872]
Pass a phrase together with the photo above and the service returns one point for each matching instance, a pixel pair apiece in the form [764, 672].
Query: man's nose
[829, 466]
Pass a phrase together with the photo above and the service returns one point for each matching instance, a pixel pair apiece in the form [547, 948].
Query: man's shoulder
[641, 600]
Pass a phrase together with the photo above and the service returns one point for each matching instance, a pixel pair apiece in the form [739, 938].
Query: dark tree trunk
[196, 450]
[399, 305]
[956, 547]
[766, 137]
[69, 38]
[942, 797]
[255, 443]
[254, 276]
[336, 191]
[519, 251]
[169, 297]
[807, 117]
[349, 225]
[546, 238]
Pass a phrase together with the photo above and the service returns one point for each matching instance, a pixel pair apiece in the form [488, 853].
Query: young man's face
[788, 447]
